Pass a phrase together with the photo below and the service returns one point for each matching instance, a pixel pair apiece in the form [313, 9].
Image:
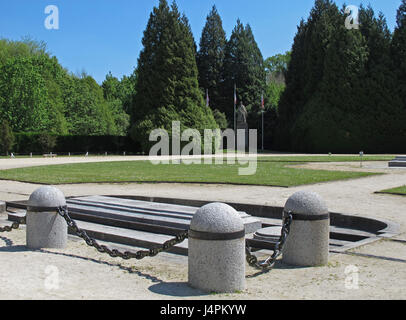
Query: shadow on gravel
[278, 265]
[21, 248]
[176, 289]
[7, 241]
[131, 270]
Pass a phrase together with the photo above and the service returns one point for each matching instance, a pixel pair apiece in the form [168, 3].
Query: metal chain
[63, 211]
[269, 263]
[14, 226]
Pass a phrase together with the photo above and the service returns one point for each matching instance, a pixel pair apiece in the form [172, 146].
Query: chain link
[63, 211]
[252, 260]
[14, 226]
[269, 263]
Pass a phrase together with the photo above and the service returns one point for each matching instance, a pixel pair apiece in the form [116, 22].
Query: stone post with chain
[45, 227]
[308, 241]
[216, 256]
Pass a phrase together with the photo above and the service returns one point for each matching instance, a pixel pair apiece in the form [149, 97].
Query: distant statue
[242, 114]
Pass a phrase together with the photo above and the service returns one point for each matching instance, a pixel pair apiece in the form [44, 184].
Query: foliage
[38, 94]
[210, 58]
[341, 93]
[47, 142]
[277, 63]
[221, 119]
[167, 78]
[244, 67]
[7, 138]
[34, 142]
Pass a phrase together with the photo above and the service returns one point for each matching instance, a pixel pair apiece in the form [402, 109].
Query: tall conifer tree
[243, 67]
[399, 51]
[306, 68]
[210, 58]
[167, 84]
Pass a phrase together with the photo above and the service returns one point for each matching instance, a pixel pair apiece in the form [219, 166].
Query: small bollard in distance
[217, 249]
[308, 242]
[46, 229]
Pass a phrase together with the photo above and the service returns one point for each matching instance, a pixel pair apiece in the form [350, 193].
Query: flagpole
[262, 112]
[235, 119]
[262, 130]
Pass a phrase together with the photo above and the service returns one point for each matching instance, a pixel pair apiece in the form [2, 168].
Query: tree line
[345, 89]
[337, 90]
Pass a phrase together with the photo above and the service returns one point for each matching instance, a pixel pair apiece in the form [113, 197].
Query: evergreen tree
[292, 99]
[210, 58]
[381, 122]
[333, 116]
[399, 52]
[167, 83]
[339, 95]
[243, 67]
[306, 69]
[399, 69]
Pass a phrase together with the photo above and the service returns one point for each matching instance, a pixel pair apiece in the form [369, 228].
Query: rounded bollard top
[306, 203]
[47, 196]
[217, 218]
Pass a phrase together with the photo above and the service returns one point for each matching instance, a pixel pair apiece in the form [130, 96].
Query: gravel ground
[80, 272]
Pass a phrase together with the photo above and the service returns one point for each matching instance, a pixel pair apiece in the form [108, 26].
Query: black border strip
[307, 217]
[44, 209]
[200, 235]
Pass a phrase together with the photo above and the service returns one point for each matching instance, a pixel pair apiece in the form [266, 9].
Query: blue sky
[99, 36]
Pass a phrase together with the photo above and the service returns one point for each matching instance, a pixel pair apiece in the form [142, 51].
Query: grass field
[398, 191]
[269, 173]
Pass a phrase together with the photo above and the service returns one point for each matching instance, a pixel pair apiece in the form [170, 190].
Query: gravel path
[85, 274]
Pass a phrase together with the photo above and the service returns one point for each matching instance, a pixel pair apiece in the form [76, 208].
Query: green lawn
[399, 191]
[269, 173]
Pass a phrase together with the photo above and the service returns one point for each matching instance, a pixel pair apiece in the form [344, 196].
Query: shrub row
[26, 143]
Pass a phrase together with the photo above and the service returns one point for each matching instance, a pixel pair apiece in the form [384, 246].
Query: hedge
[31, 142]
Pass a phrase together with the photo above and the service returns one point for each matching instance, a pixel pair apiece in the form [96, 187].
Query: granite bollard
[217, 249]
[46, 229]
[308, 242]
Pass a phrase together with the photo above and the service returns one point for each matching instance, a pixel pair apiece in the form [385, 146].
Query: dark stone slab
[142, 212]
[398, 162]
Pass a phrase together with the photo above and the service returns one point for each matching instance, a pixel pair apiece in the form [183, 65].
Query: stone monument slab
[398, 162]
